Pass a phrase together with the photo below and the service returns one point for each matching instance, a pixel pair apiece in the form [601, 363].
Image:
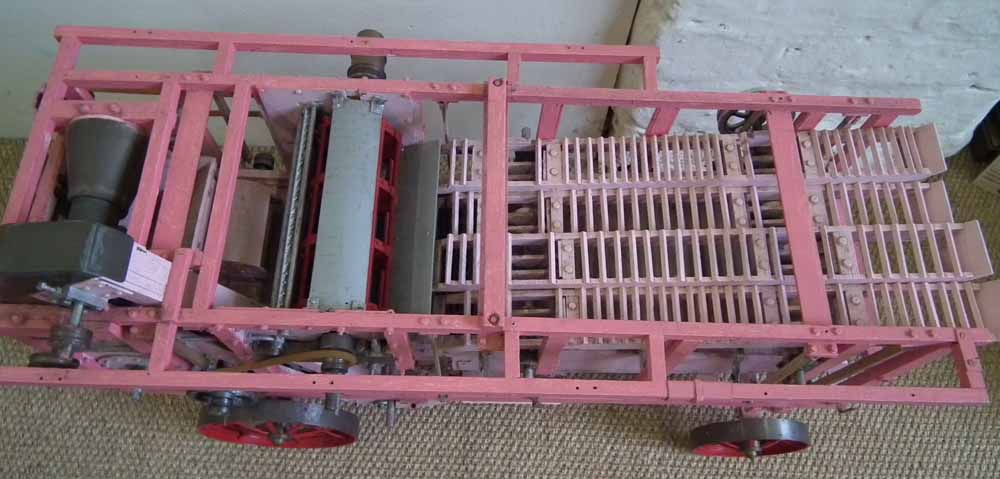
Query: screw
[390, 413]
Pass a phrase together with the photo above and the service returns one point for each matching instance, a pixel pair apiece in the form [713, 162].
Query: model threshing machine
[768, 267]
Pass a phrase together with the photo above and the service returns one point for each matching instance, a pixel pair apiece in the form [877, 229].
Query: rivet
[734, 165]
[84, 108]
[741, 221]
[568, 268]
[817, 219]
[115, 108]
[758, 242]
[814, 199]
[846, 263]
[571, 305]
[557, 224]
[810, 162]
[842, 240]
[770, 301]
[553, 152]
[855, 300]
[762, 263]
[498, 82]
[806, 143]
[554, 171]
[556, 205]
[739, 201]
[567, 247]
[730, 147]
[814, 331]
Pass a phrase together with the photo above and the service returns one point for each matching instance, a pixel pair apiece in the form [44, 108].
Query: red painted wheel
[750, 437]
[280, 423]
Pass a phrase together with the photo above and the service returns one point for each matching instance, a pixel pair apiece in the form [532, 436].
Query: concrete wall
[27, 47]
[946, 53]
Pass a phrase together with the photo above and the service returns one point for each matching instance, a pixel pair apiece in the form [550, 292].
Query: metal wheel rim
[773, 436]
[281, 423]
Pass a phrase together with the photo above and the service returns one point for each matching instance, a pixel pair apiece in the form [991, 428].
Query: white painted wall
[944, 52]
[27, 47]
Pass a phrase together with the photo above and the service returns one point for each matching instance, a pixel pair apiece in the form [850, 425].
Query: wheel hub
[282, 423]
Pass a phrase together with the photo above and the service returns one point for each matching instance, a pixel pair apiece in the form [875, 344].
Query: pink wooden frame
[69, 91]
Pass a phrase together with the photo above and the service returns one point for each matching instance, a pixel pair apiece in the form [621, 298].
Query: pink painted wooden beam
[548, 355]
[662, 121]
[657, 364]
[879, 121]
[521, 390]
[399, 344]
[695, 100]
[677, 352]
[843, 355]
[144, 204]
[898, 365]
[808, 120]
[179, 186]
[33, 159]
[493, 295]
[343, 45]
[225, 189]
[809, 279]
[44, 204]
[166, 329]
[967, 363]
[548, 121]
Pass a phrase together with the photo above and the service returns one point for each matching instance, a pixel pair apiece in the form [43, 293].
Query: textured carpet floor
[75, 433]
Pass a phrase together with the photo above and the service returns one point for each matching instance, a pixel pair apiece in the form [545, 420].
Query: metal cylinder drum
[365, 66]
[104, 157]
